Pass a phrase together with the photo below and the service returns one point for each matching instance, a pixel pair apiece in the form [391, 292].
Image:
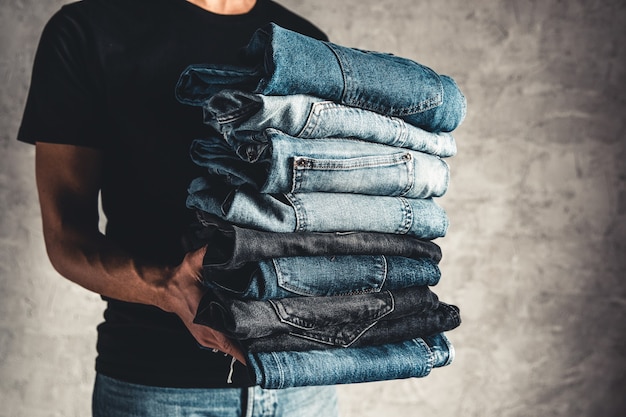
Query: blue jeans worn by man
[114, 398]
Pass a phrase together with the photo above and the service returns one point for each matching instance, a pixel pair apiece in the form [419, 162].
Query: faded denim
[407, 359]
[322, 276]
[232, 247]
[319, 212]
[331, 165]
[240, 116]
[444, 318]
[312, 317]
[115, 398]
[282, 62]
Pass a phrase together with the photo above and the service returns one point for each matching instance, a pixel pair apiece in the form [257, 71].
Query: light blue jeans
[114, 398]
[322, 276]
[333, 165]
[283, 62]
[409, 359]
[240, 116]
[321, 212]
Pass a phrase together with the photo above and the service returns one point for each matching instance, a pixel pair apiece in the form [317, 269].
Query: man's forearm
[97, 264]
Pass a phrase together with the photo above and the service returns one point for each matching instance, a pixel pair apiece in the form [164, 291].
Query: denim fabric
[115, 398]
[407, 359]
[332, 165]
[322, 276]
[319, 212]
[232, 247]
[312, 317]
[444, 318]
[282, 62]
[240, 116]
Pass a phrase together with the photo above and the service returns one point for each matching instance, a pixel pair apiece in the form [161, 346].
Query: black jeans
[372, 318]
[232, 247]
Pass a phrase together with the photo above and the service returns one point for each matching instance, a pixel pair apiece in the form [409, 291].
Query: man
[102, 113]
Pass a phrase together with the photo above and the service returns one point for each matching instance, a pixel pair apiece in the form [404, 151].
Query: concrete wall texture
[535, 255]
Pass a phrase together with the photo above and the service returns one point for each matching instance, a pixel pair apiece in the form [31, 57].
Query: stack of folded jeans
[318, 209]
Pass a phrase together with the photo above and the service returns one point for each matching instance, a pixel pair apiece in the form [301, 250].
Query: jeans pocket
[388, 175]
[330, 275]
[339, 336]
[312, 313]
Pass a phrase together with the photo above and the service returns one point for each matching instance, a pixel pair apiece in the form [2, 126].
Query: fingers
[213, 339]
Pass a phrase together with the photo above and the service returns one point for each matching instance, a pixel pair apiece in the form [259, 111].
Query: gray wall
[535, 255]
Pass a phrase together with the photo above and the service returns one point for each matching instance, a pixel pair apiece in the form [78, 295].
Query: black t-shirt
[104, 78]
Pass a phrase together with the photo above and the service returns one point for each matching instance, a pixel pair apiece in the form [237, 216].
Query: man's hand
[182, 295]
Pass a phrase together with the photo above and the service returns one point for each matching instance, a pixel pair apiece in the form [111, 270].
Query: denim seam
[296, 176]
[250, 401]
[407, 216]
[429, 103]
[282, 283]
[304, 163]
[299, 212]
[451, 351]
[335, 340]
[453, 313]
[403, 132]
[385, 271]
[410, 173]
[299, 324]
[431, 355]
[345, 72]
[303, 324]
[279, 368]
[312, 119]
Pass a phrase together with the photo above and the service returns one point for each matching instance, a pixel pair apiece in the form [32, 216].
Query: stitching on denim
[300, 323]
[282, 283]
[281, 372]
[431, 356]
[345, 72]
[304, 163]
[407, 219]
[410, 173]
[350, 99]
[334, 340]
[299, 212]
[312, 121]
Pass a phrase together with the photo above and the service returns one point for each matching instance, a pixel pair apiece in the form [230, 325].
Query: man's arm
[68, 181]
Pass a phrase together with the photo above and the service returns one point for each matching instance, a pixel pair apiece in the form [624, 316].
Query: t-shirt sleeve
[64, 103]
